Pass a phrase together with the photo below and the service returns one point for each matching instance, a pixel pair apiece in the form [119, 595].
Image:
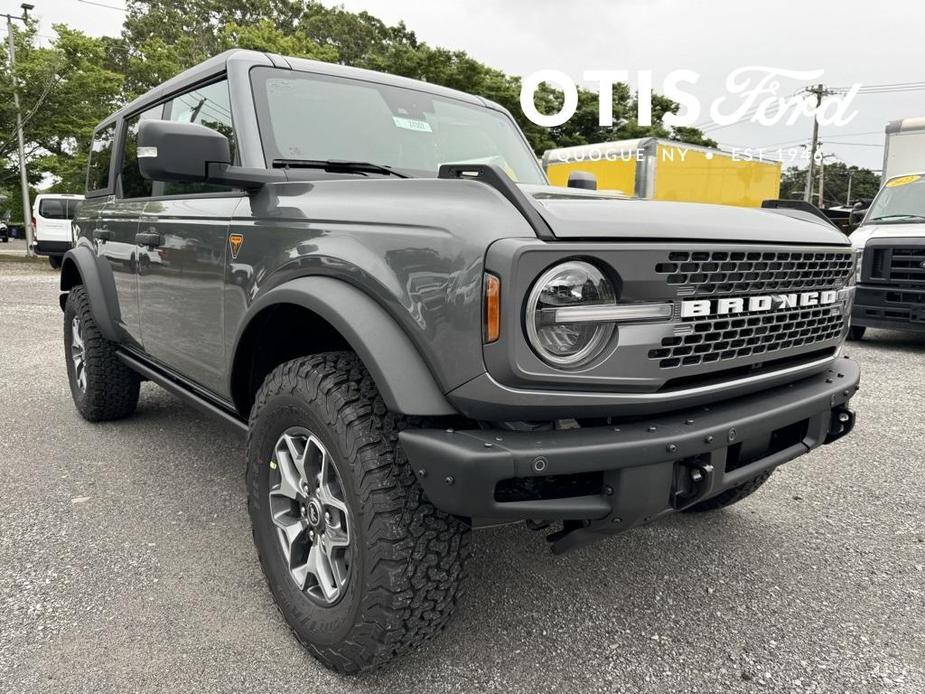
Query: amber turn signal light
[492, 308]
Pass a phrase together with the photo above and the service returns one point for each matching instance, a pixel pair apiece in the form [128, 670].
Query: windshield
[318, 117]
[902, 200]
[58, 208]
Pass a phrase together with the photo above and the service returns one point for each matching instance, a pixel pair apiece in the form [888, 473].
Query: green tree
[163, 37]
[864, 183]
[64, 90]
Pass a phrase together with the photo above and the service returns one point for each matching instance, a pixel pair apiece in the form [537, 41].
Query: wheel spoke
[293, 531]
[326, 494]
[290, 480]
[320, 567]
[337, 536]
[335, 560]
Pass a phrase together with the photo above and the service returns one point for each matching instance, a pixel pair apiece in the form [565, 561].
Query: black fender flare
[80, 266]
[403, 378]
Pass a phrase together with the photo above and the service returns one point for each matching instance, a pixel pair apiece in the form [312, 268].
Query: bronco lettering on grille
[760, 303]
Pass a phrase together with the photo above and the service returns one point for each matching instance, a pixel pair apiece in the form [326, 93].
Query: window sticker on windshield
[902, 181]
[422, 126]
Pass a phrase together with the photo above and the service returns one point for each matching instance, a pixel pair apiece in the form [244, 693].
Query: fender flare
[80, 266]
[403, 378]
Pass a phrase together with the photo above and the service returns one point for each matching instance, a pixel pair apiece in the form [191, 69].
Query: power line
[855, 144]
[102, 4]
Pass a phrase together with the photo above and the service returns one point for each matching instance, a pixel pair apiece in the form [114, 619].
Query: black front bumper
[889, 307]
[629, 472]
[51, 247]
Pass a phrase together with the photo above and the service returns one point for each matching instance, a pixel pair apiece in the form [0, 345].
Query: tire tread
[415, 553]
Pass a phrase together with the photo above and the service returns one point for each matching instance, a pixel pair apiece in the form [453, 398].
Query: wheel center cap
[313, 512]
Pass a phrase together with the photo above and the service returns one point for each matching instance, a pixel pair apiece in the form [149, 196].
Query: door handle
[148, 239]
[102, 235]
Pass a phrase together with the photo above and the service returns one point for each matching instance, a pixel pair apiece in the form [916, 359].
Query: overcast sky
[852, 40]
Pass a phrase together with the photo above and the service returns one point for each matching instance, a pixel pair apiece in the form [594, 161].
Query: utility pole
[820, 91]
[23, 179]
[822, 178]
[851, 171]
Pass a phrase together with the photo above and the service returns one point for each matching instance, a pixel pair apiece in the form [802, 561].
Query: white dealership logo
[725, 306]
[754, 94]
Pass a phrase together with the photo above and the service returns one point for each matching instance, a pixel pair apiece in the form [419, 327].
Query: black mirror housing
[582, 179]
[179, 152]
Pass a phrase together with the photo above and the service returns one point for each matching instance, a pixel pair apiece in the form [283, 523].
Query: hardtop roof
[218, 64]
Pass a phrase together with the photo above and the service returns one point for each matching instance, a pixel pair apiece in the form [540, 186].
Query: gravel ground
[126, 561]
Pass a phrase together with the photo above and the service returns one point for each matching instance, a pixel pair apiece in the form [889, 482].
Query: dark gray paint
[411, 251]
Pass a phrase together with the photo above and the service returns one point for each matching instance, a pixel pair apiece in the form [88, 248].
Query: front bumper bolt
[539, 464]
[671, 448]
[844, 417]
[708, 438]
[449, 479]
[608, 490]
[652, 428]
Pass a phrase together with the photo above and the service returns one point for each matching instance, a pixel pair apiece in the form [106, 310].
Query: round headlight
[568, 343]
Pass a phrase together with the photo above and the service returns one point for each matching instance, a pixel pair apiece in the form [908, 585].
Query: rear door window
[58, 208]
[100, 159]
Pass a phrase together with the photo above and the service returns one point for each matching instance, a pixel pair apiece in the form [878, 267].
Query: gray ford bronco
[371, 277]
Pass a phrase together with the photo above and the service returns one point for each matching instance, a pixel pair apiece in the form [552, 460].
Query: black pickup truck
[372, 278]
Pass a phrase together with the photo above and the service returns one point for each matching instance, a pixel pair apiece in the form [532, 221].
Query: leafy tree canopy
[864, 183]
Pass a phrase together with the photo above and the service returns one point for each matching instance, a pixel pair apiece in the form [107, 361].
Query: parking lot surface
[126, 561]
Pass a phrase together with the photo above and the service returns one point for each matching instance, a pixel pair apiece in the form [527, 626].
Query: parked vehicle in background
[4, 233]
[658, 169]
[51, 224]
[890, 243]
[904, 148]
[417, 347]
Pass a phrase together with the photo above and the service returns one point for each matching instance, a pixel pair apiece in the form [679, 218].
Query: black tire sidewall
[319, 625]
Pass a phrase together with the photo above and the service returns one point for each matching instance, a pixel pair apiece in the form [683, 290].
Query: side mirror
[856, 216]
[179, 152]
[582, 179]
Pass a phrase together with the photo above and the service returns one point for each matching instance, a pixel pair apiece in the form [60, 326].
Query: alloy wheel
[310, 515]
[78, 356]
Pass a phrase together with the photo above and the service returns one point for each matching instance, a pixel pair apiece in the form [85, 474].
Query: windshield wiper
[898, 216]
[337, 165]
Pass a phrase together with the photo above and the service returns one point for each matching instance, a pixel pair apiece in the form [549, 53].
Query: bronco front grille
[728, 272]
[721, 339]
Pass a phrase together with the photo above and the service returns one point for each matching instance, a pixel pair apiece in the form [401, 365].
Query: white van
[51, 224]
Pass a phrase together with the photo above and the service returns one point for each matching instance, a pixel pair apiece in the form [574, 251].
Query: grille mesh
[908, 265]
[728, 272]
[722, 339]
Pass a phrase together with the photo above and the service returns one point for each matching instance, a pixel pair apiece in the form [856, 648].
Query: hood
[863, 234]
[590, 215]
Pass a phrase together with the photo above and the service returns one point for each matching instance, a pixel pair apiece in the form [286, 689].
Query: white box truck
[904, 149]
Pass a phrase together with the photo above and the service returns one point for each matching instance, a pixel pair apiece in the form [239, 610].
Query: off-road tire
[112, 388]
[407, 557]
[856, 332]
[730, 496]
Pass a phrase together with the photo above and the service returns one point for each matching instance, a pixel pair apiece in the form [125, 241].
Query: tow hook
[693, 479]
[841, 423]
